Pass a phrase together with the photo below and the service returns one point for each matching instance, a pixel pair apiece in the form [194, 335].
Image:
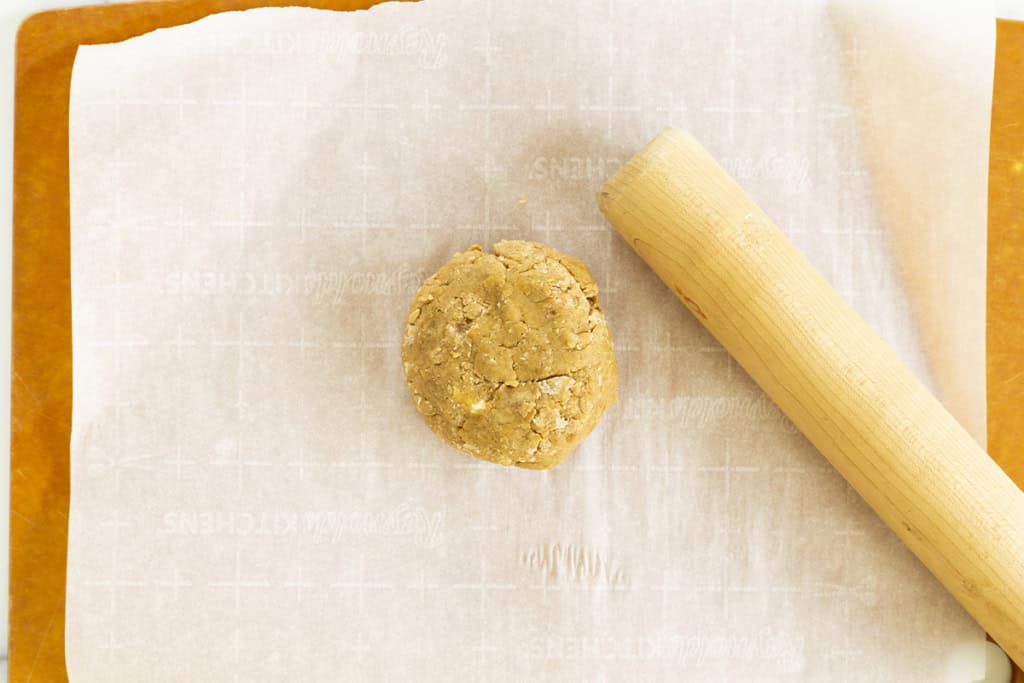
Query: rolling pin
[839, 383]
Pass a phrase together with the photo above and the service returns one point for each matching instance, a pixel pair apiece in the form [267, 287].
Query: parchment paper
[256, 197]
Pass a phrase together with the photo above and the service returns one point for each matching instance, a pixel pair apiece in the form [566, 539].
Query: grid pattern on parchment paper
[254, 494]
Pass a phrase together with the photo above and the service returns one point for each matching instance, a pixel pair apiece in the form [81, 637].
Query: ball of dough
[508, 355]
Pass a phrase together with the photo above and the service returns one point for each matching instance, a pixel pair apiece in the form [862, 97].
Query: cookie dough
[508, 355]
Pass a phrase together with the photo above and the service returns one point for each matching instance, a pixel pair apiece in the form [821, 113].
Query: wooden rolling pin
[830, 373]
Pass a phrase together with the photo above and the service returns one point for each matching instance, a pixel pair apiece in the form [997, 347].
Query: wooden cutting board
[41, 359]
[1004, 327]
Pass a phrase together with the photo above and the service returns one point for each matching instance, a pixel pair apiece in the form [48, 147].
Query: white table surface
[12, 12]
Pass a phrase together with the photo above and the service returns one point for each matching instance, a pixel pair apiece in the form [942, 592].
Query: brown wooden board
[41, 338]
[1004, 332]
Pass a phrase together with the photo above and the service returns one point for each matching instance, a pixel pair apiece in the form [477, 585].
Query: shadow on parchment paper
[351, 298]
[560, 170]
[923, 90]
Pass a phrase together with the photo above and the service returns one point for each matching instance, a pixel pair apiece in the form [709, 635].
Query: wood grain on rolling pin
[830, 373]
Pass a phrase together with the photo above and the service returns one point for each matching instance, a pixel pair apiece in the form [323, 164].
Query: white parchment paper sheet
[255, 198]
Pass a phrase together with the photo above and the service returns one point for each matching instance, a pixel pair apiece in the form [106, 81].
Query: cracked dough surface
[508, 355]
